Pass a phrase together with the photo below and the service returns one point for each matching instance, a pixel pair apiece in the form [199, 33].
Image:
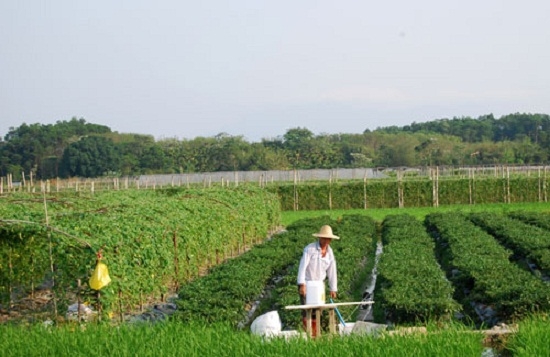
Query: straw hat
[325, 232]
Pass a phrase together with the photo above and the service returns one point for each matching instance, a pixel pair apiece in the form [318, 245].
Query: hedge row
[388, 193]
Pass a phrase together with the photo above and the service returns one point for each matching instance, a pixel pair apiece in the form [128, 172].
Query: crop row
[413, 287]
[228, 291]
[527, 240]
[539, 219]
[481, 270]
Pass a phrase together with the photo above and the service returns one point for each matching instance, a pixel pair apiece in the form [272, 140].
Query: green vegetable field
[225, 256]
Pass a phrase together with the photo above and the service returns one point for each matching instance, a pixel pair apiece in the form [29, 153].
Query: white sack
[267, 325]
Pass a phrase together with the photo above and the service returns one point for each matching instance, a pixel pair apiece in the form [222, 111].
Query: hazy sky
[258, 68]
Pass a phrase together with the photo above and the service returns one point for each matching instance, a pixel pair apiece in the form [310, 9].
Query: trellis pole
[540, 185]
[400, 198]
[508, 199]
[50, 251]
[365, 190]
[295, 190]
[544, 186]
[330, 191]
[435, 186]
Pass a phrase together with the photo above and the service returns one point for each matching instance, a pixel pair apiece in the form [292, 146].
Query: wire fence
[261, 178]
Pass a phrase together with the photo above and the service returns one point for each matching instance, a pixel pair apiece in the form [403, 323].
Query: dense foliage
[77, 148]
[152, 241]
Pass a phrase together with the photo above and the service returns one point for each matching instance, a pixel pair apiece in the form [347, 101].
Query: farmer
[316, 264]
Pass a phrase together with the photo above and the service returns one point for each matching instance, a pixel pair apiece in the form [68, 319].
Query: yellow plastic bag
[100, 277]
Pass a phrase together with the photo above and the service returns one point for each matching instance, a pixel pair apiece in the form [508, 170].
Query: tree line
[77, 148]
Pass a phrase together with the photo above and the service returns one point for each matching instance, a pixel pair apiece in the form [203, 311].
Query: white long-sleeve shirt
[313, 266]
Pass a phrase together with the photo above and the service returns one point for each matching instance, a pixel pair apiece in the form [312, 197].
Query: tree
[91, 156]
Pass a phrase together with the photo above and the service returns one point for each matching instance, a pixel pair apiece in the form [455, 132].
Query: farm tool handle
[338, 313]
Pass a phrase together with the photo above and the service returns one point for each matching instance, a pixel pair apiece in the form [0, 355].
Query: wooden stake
[120, 305]
[330, 191]
[544, 185]
[10, 288]
[78, 299]
[50, 251]
[98, 306]
[176, 261]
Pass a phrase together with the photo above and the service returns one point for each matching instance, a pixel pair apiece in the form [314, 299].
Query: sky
[183, 69]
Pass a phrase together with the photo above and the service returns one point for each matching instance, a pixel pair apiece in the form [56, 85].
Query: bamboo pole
[50, 252]
[295, 190]
[400, 197]
[508, 198]
[544, 186]
[120, 305]
[539, 185]
[437, 186]
[176, 260]
[78, 299]
[10, 286]
[330, 191]
[470, 183]
[365, 190]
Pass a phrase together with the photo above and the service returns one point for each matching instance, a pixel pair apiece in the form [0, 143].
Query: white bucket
[315, 292]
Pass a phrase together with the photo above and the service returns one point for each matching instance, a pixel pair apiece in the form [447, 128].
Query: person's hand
[333, 294]
[303, 290]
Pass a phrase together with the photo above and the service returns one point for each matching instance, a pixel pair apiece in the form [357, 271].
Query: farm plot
[527, 241]
[266, 275]
[482, 272]
[412, 286]
[152, 241]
